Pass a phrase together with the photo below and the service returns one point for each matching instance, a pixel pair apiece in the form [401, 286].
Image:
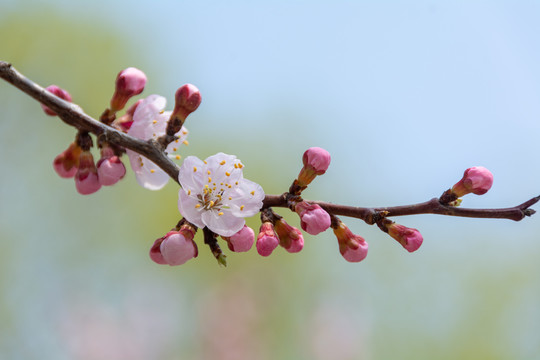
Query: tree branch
[73, 115]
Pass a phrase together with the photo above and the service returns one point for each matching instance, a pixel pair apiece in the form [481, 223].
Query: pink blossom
[188, 98]
[267, 239]
[476, 180]
[215, 194]
[410, 239]
[241, 241]
[66, 163]
[314, 219]
[110, 167]
[129, 82]
[150, 122]
[86, 178]
[175, 248]
[290, 237]
[352, 247]
[62, 94]
[316, 161]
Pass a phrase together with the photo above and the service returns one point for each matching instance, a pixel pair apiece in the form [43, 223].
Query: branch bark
[73, 115]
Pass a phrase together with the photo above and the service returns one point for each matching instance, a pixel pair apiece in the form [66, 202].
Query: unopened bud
[290, 237]
[352, 247]
[110, 167]
[66, 163]
[124, 122]
[187, 100]
[314, 219]
[175, 248]
[241, 241]
[267, 239]
[476, 180]
[129, 82]
[410, 239]
[62, 94]
[316, 161]
[86, 178]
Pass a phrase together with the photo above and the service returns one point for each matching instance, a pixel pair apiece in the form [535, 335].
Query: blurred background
[405, 95]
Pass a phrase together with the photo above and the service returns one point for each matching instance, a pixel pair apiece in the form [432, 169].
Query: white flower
[150, 122]
[215, 194]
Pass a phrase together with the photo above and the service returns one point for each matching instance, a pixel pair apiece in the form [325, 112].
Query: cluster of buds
[214, 194]
[145, 120]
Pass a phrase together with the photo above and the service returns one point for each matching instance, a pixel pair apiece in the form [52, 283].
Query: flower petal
[187, 207]
[148, 174]
[192, 174]
[226, 224]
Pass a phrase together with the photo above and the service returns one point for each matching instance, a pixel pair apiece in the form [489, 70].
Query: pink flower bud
[290, 237]
[129, 82]
[352, 247]
[188, 98]
[62, 94]
[241, 241]
[476, 180]
[124, 122]
[175, 248]
[65, 164]
[86, 178]
[267, 239]
[410, 239]
[316, 161]
[110, 168]
[314, 219]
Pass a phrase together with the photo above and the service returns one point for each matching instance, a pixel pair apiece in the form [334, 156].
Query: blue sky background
[404, 94]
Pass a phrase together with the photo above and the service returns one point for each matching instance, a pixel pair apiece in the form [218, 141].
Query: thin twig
[72, 115]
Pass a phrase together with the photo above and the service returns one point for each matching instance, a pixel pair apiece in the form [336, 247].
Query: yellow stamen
[197, 206]
[211, 203]
[204, 161]
[152, 171]
[222, 163]
[208, 172]
[183, 132]
[228, 174]
[162, 111]
[189, 192]
[194, 169]
[252, 193]
[209, 179]
[178, 157]
[174, 149]
[176, 141]
[185, 142]
[230, 198]
[242, 208]
[240, 166]
[154, 122]
[220, 213]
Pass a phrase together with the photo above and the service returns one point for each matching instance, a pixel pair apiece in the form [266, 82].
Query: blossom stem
[72, 115]
[210, 239]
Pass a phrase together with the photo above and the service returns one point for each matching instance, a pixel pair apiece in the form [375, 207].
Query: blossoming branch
[214, 196]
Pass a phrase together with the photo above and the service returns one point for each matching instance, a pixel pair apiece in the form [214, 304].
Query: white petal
[247, 198]
[186, 206]
[224, 225]
[222, 168]
[192, 175]
[146, 118]
[149, 175]
[149, 108]
[182, 136]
